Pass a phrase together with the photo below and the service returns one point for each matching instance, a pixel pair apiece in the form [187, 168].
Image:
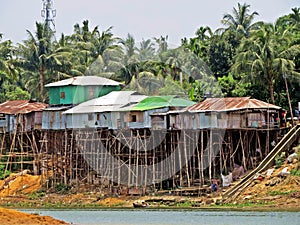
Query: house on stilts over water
[125, 141]
[20, 131]
[67, 93]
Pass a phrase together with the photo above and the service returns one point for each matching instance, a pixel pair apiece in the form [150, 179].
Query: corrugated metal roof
[57, 108]
[80, 109]
[21, 107]
[230, 104]
[85, 81]
[155, 102]
[177, 111]
[116, 98]
[114, 101]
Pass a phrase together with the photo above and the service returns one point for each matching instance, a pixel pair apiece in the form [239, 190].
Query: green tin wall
[54, 95]
[78, 94]
[107, 89]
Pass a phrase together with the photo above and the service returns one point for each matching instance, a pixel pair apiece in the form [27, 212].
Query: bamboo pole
[146, 158]
[129, 164]
[243, 150]
[199, 160]
[153, 163]
[119, 168]
[12, 146]
[173, 148]
[76, 158]
[21, 145]
[202, 157]
[179, 158]
[71, 156]
[137, 159]
[186, 158]
[210, 154]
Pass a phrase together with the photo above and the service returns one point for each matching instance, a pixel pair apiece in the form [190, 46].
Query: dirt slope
[13, 217]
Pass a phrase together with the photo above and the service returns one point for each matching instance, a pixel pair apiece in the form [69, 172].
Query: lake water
[171, 217]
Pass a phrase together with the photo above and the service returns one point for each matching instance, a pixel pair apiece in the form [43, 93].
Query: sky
[142, 19]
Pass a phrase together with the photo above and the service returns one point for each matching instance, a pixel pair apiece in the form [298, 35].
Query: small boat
[140, 205]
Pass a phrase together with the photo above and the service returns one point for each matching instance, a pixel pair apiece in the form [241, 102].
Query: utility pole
[48, 13]
[288, 95]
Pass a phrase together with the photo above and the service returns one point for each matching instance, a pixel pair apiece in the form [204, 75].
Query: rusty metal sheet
[21, 107]
[230, 104]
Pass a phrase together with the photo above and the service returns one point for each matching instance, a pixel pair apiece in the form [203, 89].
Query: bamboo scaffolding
[59, 156]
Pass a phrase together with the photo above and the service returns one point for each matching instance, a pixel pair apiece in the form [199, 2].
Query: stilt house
[235, 113]
[105, 112]
[65, 94]
[23, 115]
[152, 112]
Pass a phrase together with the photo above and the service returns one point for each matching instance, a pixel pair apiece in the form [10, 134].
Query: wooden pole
[243, 150]
[202, 158]
[288, 96]
[179, 158]
[186, 157]
[210, 154]
[146, 158]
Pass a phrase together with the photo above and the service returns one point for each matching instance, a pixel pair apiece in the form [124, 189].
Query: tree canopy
[242, 58]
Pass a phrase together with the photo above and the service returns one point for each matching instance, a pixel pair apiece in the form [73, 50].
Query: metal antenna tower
[48, 13]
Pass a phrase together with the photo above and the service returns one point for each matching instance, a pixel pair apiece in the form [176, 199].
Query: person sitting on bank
[215, 186]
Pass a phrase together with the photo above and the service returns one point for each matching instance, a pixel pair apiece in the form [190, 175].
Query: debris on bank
[279, 185]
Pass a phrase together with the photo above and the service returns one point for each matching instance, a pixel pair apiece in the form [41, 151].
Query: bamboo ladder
[284, 143]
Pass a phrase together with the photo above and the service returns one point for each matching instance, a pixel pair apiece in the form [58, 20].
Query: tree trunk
[42, 81]
[271, 88]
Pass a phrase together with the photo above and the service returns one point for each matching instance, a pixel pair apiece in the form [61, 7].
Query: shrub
[3, 173]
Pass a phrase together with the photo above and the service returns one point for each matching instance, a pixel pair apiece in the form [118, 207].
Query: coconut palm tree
[37, 56]
[203, 33]
[146, 50]
[266, 56]
[162, 43]
[199, 45]
[146, 83]
[98, 52]
[129, 49]
[295, 16]
[8, 71]
[69, 65]
[240, 21]
[6, 60]
[103, 41]
[81, 41]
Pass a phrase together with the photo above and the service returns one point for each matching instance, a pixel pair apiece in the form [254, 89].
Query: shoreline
[273, 193]
[215, 209]
[267, 207]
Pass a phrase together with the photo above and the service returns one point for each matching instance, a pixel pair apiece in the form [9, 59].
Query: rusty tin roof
[230, 104]
[21, 107]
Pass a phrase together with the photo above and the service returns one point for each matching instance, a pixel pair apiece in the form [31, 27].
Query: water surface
[171, 217]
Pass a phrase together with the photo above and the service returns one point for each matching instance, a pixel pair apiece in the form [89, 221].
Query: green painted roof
[155, 102]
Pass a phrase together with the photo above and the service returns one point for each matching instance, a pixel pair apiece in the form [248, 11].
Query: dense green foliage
[242, 58]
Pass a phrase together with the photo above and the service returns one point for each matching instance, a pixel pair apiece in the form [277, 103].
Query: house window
[133, 118]
[2, 116]
[98, 116]
[62, 95]
[92, 92]
[90, 117]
